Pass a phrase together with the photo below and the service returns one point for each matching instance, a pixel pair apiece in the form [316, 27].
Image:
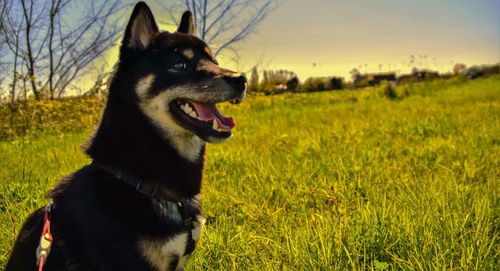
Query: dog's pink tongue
[208, 112]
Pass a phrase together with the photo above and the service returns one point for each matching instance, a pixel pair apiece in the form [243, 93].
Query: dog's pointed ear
[141, 28]
[187, 24]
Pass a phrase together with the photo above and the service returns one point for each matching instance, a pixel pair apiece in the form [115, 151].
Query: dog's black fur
[100, 219]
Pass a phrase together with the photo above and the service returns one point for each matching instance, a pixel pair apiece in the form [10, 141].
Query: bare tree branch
[56, 40]
[223, 23]
[247, 29]
[28, 17]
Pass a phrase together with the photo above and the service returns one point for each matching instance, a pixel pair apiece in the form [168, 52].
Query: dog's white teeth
[193, 114]
[217, 127]
[187, 109]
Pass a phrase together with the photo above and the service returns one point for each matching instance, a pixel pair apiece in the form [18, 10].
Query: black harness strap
[188, 226]
[151, 190]
[70, 262]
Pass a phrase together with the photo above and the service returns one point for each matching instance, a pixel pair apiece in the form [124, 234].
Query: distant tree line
[360, 80]
[279, 81]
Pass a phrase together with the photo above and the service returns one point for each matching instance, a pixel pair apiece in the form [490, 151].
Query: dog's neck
[126, 139]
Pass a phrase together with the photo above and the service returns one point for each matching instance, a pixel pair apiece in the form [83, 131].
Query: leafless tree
[50, 42]
[223, 23]
[254, 79]
[9, 44]
[355, 75]
[3, 10]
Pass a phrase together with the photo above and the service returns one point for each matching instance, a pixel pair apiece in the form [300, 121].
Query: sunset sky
[330, 37]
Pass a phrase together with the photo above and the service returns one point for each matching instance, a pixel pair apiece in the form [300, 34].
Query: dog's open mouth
[203, 119]
[208, 114]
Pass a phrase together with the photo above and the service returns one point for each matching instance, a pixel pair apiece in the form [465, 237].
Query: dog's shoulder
[84, 177]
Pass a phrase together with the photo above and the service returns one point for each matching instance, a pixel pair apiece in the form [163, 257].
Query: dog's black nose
[239, 82]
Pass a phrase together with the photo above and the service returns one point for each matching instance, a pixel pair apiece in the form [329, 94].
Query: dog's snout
[239, 82]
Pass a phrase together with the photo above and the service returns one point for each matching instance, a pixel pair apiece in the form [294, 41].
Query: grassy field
[377, 179]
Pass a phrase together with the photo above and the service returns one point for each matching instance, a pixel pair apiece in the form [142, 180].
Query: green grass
[378, 179]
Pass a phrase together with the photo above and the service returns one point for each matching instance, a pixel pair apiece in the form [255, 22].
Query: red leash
[43, 250]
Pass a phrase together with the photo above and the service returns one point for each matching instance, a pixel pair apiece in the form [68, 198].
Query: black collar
[154, 191]
[149, 189]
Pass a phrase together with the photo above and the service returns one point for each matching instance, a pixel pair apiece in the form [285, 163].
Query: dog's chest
[168, 253]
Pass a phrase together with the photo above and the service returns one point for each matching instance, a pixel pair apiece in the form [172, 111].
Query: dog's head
[177, 82]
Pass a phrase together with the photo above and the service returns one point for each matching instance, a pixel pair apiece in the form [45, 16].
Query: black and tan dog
[137, 206]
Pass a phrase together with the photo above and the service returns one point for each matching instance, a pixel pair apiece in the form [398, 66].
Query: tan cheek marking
[188, 53]
[187, 144]
[143, 85]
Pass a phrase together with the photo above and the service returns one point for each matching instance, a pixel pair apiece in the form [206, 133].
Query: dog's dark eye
[181, 65]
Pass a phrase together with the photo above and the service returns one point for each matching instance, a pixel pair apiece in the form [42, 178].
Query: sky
[331, 37]
[339, 35]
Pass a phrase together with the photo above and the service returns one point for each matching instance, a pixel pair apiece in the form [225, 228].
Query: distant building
[425, 74]
[373, 79]
[379, 77]
[280, 86]
[480, 71]
[418, 76]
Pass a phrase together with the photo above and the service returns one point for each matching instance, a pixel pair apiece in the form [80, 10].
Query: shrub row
[31, 117]
[27, 118]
